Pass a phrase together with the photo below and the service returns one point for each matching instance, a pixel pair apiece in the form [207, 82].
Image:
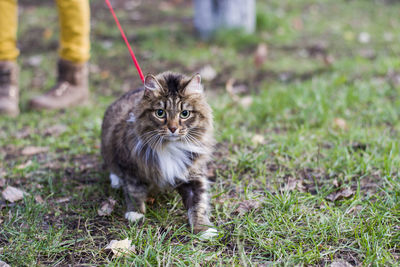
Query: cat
[158, 138]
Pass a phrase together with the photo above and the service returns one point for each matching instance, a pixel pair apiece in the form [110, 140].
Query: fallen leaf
[56, 130]
[24, 165]
[246, 101]
[62, 199]
[240, 89]
[364, 37]
[47, 34]
[355, 209]
[367, 53]
[39, 199]
[12, 194]
[336, 183]
[340, 263]
[104, 74]
[3, 264]
[260, 55]
[343, 193]
[23, 133]
[247, 205]
[297, 24]
[257, 139]
[294, 184]
[35, 60]
[121, 247]
[340, 123]
[33, 150]
[2, 182]
[208, 73]
[107, 207]
[150, 200]
[328, 60]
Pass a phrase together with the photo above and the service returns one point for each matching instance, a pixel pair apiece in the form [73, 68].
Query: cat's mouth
[172, 137]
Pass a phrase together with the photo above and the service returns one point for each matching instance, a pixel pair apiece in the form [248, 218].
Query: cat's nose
[172, 129]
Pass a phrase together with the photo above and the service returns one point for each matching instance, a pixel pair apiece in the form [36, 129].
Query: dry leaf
[107, 207]
[35, 60]
[104, 74]
[340, 123]
[257, 139]
[340, 263]
[355, 209]
[121, 247]
[246, 101]
[294, 184]
[247, 205]
[39, 199]
[3, 264]
[33, 150]
[336, 183]
[343, 193]
[208, 73]
[56, 130]
[2, 182]
[150, 200]
[364, 37]
[297, 24]
[24, 165]
[260, 55]
[229, 88]
[12, 194]
[63, 200]
[47, 34]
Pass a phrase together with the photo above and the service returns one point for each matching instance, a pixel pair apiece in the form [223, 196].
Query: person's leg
[75, 30]
[8, 54]
[72, 85]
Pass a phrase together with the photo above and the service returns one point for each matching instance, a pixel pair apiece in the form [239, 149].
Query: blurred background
[306, 102]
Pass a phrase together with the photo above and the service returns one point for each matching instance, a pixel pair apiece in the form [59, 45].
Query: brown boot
[9, 91]
[71, 89]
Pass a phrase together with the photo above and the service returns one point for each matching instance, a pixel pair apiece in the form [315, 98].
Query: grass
[327, 127]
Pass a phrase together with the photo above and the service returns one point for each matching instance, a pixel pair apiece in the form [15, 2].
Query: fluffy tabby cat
[158, 138]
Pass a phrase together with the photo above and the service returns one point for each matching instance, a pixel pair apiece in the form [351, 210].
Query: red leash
[126, 41]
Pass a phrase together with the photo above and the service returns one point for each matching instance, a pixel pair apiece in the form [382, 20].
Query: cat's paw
[115, 181]
[208, 234]
[133, 216]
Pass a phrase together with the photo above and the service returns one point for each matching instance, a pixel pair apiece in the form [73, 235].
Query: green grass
[305, 159]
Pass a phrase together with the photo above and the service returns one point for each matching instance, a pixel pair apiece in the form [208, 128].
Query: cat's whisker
[194, 140]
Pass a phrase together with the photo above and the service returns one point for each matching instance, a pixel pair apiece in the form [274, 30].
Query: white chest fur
[174, 160]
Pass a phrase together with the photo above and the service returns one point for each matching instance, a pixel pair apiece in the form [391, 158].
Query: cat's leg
[197, 202]
[135, 197]
[116, 182]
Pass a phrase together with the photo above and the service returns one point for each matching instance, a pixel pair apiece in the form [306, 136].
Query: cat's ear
[194, 86]
[151, 84]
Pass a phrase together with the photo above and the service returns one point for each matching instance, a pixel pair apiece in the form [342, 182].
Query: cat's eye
[185, 114]
[160, 113]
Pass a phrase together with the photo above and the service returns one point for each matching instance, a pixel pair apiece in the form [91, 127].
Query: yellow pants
[74, 17]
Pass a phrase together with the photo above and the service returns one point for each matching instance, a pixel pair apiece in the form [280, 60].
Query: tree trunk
[211, 15]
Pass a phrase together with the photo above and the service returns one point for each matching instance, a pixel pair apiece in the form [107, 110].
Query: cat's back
[121, 107]
[115, 114]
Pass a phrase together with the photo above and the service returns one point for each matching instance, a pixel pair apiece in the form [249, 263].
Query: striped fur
[149, 153]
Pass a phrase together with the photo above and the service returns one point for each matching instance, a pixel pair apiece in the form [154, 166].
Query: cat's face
[174, 108]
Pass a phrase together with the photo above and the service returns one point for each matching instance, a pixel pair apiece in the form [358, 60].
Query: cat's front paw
[133, 216]
[208, 234]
